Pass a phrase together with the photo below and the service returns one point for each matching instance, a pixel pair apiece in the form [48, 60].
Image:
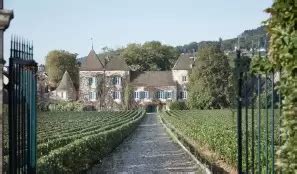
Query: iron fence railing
[22, 108]
[257, 125]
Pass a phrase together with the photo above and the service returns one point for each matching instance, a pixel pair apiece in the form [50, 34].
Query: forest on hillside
[247, 39]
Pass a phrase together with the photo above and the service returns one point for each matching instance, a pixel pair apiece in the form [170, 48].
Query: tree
[150, 56]
[210, 79]
[128, 96]
[282, 27]
[59, 61]
[188, 48]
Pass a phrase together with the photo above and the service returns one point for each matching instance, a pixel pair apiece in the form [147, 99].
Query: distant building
[103, 81]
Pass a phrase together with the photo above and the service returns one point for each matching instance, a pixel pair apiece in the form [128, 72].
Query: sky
[70, 24]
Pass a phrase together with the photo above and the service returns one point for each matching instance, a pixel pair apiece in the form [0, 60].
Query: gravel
[148, 150]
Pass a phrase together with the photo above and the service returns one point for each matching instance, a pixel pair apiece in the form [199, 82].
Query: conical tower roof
[92, 63]
[66, 82]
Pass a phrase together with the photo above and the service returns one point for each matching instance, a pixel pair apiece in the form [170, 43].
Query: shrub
[83, 153]
[66, 106]
[43, 106]
[178, 106]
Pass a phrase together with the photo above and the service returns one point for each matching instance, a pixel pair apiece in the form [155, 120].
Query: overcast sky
[70, 24]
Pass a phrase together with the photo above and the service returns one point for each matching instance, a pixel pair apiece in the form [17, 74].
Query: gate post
[5, 17]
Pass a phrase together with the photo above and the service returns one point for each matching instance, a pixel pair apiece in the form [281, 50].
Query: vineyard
[214, 131]
[69, 142]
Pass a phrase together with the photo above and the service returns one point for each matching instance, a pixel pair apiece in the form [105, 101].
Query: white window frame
[162, 94]
[146, 95]
[92, 96]
[184, 78]
[169, 92]
[116, 95]
[136, 94]
[117, 80]
[93, 81]
[184, 94]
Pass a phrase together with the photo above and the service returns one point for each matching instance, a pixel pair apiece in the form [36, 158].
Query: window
[161, 95]
[64, 95]
[92, 96]
[141, 94]
[117, 80]
[146, 94]
[164, 94]
[184, 78]
[92, 81]
[168, 94]
[116, 95]
[183, 95]
[136, 95]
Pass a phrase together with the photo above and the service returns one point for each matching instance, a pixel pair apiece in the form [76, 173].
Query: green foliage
[178, 106]
[83, 140]
[215, 131]
[59, 61]
[128, 96]
[261, 65]
[282, 28]
[248, 39]
[188, 48]
[210, 80]
[150, 56]
[66, 106]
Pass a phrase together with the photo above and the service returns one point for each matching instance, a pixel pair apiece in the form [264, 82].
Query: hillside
[246, 38]
[256, 36]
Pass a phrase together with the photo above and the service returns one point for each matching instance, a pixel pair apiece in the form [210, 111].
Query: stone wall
[84, 87]
[103, 87]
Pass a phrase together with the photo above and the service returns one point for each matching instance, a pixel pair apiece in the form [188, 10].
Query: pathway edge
[173, 136]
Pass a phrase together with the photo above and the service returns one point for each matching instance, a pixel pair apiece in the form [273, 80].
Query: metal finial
[92, 43]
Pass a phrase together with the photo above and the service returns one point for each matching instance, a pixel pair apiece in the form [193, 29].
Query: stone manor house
[103, 83]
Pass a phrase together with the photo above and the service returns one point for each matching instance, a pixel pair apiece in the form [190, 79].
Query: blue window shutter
[113, 80]
[90, 81]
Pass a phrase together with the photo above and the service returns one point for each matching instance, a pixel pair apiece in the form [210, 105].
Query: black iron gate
[22, 108]
[258, 117]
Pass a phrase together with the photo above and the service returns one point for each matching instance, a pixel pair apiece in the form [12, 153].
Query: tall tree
[59, 61]
[150, 56]
[210, 79]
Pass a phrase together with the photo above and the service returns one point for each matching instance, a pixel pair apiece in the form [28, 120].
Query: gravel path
[148, 150]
